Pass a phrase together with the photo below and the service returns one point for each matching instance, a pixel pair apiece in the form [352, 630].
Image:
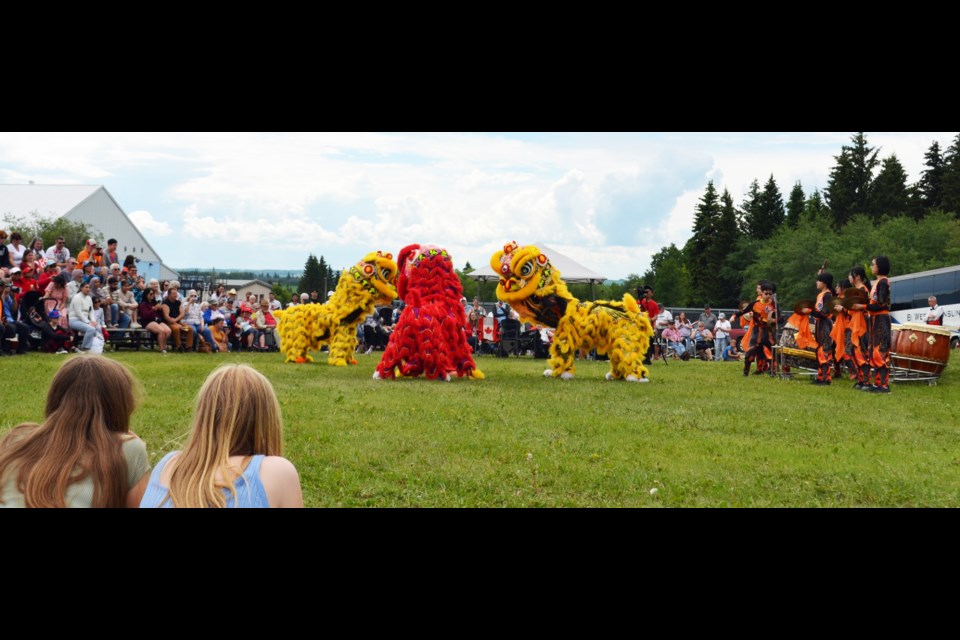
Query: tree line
[867, 208]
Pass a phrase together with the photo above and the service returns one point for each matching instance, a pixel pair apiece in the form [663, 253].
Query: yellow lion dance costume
[307, 327]
[530, 285]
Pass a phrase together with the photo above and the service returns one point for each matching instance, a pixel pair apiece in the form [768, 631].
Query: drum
[792, 355]
[920, 349]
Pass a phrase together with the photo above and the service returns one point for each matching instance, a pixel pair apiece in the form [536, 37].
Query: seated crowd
[56, 303]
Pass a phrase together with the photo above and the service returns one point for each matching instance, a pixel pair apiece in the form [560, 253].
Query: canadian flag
[488, 329]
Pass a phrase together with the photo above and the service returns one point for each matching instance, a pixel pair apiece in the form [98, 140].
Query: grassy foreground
[699, 433]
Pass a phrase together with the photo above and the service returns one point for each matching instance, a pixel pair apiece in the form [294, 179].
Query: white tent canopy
[569, 270]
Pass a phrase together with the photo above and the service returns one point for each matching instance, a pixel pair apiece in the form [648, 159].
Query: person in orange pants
[761, 341]
[879, 308]
[858, 345]
[824, 317]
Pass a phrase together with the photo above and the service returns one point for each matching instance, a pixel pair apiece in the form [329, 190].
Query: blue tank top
[250, 491]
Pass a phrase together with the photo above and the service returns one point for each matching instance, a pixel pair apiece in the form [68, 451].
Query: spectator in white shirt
[664, 320]
[58, 253]
[721, 334]
[935, 314]
[81, 316]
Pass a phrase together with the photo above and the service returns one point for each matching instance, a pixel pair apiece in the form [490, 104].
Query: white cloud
[268, 199]
[147, 224]
[289, 232]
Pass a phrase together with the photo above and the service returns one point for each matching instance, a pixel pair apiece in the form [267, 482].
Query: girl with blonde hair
[233, 455]
[84, 454]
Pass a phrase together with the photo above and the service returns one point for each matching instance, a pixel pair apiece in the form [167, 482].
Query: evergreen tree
[951, 178]
[703, 273]
[324, 278]
[915, 208]
[795, 205]
[312, 279]
[767, 212]
[815, 208]
[725, 238]
[748, 208]
[888, 192]
[849, 185]
[931, 180]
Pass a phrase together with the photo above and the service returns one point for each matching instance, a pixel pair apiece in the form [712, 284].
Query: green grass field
[699, 433]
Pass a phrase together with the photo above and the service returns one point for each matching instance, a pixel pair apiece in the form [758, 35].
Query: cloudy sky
[267, 200]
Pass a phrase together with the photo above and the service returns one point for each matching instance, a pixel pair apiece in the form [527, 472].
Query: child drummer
[764, 314]
[822, 312]
[879, 308]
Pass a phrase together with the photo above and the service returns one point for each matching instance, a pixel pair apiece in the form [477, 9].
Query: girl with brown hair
[84, 454]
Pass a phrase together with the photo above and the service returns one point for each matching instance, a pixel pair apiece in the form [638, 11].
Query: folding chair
[509, 338]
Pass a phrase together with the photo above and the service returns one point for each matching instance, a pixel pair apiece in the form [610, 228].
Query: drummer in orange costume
[746, 322]
[824, 318]
[858, 343]
[840, 333]
[763, 314]
[879, 308]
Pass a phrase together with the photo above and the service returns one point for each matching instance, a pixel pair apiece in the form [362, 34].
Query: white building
[92, 205]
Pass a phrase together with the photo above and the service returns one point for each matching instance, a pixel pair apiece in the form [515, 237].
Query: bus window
[922, 289]
[945, 284]
[901, 294]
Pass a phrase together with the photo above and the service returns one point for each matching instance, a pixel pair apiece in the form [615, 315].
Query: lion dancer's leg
[293, 337]
[563, 350]
[460, 352]
[398, 349]
[343, 346]
[430, 350]
[627, 354]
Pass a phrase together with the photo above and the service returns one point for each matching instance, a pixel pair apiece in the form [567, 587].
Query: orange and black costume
[879, 353]
[761, 337]
[824, 329]
[843, 346]
[857, 340]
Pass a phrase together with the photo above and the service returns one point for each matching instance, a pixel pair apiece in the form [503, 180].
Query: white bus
[909, 293]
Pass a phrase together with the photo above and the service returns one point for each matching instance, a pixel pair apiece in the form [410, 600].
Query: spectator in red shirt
[648, 304]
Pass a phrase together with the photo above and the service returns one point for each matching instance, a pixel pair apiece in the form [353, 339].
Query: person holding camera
[15, 334]
[5, 264]
[652, 309]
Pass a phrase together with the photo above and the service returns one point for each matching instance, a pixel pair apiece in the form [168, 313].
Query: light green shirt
[80, 494]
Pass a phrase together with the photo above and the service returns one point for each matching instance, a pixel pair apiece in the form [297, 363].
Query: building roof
[569, 270]
[243, 282]
[58, 199]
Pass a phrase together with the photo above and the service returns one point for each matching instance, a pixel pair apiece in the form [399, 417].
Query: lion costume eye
[385, 273]
[526, 270]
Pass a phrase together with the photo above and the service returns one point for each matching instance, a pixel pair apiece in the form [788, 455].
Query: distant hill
[286, 273]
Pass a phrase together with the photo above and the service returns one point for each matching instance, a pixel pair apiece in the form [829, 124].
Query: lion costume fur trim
[308, 327]
[429, 338]
[533, 287]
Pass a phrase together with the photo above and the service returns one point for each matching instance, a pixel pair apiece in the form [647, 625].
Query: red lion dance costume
[429, 336]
